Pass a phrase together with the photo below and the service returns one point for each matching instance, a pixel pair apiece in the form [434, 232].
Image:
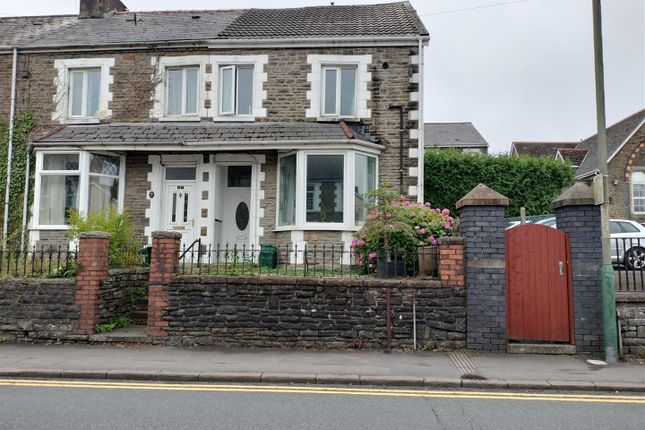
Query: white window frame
[315, 94]
[84, 94]
[259, 94]
[235, 93]
[83, 182]
[631, 190]
[160, 78]
[323, 91]
[183, 112]
[349, 180]
[62, 81]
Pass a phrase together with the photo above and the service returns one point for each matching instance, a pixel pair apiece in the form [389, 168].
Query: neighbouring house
[461, 136]
[626, 162]
[235, 127]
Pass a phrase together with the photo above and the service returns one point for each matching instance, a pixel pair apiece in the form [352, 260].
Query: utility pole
[607, 273]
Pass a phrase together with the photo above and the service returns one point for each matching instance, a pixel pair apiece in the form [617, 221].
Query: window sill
[234, 119]
[338, 119]
[337, 227]
[180, 119]
[49, 227]
[80, 121]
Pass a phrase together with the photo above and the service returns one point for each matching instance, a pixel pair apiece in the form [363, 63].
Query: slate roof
[199, 26]
[177, 133]
[574, 156]
[616, 135]
[453, 135]
[542, 149]
[21, 30]
[389, 19]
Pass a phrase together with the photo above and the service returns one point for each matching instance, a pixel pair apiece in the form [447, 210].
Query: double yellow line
[287, 389]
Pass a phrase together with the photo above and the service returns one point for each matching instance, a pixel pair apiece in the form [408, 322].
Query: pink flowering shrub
[395, 227]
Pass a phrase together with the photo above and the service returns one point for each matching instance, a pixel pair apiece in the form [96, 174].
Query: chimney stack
[96, 8]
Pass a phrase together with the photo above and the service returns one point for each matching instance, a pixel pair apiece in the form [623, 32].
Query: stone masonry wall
[37, 310]
[118, 292]
[582, 224]
[308, 312]
[620, 178]
[631, 311]
[483, 229]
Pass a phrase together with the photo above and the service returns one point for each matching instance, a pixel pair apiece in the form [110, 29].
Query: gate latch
[561, 266]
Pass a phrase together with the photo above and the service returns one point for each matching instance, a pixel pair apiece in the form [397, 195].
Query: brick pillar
[481, 222]
[92, 269]
[577, 215]
[164, 261]
[451, 261]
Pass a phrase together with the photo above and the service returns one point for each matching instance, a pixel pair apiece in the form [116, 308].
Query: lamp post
[607, 273]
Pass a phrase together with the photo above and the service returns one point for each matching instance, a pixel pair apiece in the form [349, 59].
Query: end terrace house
[237, 127]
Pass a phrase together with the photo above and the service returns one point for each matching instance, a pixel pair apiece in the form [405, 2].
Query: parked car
[627, 241]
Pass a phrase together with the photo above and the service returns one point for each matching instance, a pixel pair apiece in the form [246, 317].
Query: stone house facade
[235, 127]
[626, 163]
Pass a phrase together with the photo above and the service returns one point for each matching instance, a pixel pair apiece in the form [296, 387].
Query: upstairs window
[182, 85]
[236, 90]
[339, 91]
[84, 92]
[638, 192]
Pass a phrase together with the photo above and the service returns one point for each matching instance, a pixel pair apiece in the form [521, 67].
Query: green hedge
[527, 181]
[23, 125]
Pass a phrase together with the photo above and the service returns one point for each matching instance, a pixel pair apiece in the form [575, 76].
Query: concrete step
[132, 334]
[541, 348]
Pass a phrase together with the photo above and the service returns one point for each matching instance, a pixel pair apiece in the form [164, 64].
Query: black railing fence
[40, 261]
[628, 258]
[324, 260]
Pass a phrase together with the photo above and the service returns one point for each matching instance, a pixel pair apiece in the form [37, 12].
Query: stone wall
[311, 312]
[630, 159]
[37, 310]
[118, 293]
[631, 314]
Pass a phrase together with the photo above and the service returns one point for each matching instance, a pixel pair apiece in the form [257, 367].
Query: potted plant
[399, 235]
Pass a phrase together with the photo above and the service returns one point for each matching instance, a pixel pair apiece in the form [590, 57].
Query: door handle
[561, 266]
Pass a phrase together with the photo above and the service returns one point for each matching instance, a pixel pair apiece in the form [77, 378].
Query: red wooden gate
[539, 302]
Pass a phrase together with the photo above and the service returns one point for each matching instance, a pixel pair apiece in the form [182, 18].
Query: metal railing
[40, 261]
[628, 258]
[333, 260]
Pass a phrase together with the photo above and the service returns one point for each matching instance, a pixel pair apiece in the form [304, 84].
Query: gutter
[305, 42]
[12, 114]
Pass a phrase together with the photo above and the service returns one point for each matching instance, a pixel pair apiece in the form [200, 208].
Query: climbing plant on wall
[527, 181]
[23, 125]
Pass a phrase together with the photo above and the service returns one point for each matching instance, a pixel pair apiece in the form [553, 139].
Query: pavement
[355, 367]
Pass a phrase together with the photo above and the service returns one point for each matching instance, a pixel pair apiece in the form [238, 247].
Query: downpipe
[25, 199]
[12, 114]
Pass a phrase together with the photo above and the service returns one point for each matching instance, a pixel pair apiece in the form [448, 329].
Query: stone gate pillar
[164, 261]
[577, 215]
[482, 223]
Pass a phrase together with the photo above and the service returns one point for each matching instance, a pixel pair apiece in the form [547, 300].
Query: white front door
[237, 215]
[179, 211]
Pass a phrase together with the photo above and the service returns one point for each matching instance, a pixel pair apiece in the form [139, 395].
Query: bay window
[332, 192]
[182, 86]
[83, 181]
[236, 90]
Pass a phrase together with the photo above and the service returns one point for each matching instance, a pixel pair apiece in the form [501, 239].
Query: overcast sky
[519, 71]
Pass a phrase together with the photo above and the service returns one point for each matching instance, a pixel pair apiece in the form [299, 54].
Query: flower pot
[427, 257]
[390, 269]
